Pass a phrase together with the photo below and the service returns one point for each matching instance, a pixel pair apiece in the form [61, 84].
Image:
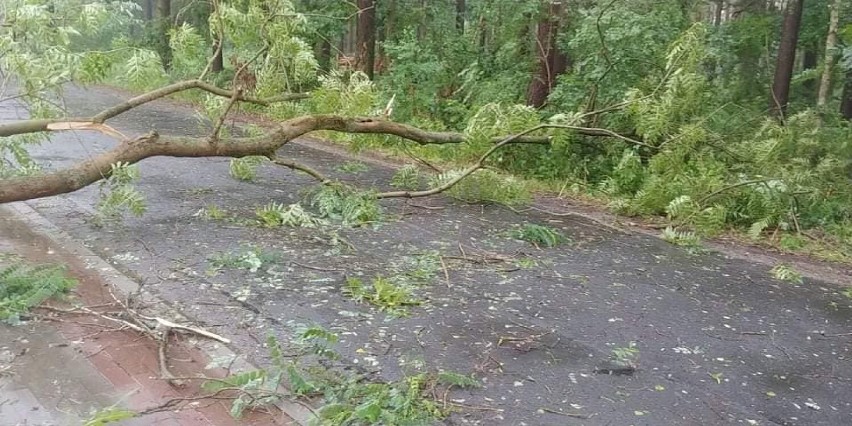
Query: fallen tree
[131, 150]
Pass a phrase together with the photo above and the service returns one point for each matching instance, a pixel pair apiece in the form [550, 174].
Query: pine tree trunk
[552, 62]
[365, 34]
[780, 95]
[830, 45]
[164, 23]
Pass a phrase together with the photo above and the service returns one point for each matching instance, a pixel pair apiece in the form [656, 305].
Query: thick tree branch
[132, 151]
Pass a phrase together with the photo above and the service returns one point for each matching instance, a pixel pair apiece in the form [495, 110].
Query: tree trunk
[323, 50]
[552, 62]
[366, 37]
[717, 15]
[461, 10]
[148, 9]
[780, 95]
[810, 58]
[846, 99]
[830, 45]
[424, 18]
[218, 61]
[390, 19]
[164, 23]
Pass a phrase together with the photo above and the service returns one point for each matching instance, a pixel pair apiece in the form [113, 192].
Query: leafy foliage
[380, 403]
[786, 273]
[348, 399]
[538, 235]
[276, 214]
[407, 177]
[118, 195]
[245, 168]
[627, 356]
[318, 341]
[451, 378]
[486, 186]
[109, 415]
[23, 287]
[391, 297]
[338, 201]
[683, 238]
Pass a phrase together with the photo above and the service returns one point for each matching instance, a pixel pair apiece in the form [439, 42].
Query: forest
[718, 115]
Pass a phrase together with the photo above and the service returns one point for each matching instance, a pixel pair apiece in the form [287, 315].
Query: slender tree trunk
[461, 11]
[830, 45]
[780, 95]
[424, 17]
[483, 34]
[323, 50]
[366, 37]
[552, 62]
[846, 99]
[717, 12]
[218, 60]
[148, 9]
[810, 59]
[390, 19]
[164, 23]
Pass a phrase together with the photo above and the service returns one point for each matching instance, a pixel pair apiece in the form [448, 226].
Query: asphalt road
[717, 339]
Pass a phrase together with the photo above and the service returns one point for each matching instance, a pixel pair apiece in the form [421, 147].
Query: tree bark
[717, 12]
[164, 23]
[810, 59]
[148, 9]
[461, 11]
[366, 37]
[424, 17]
[780, 96]
[830, 45]
[218, 64]
[552, 61]
[846, 99]
[324, 54]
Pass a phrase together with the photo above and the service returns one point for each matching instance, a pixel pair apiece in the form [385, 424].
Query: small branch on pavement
[300, 167]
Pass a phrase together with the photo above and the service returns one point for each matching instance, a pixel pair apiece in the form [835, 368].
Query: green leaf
[369, 411]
